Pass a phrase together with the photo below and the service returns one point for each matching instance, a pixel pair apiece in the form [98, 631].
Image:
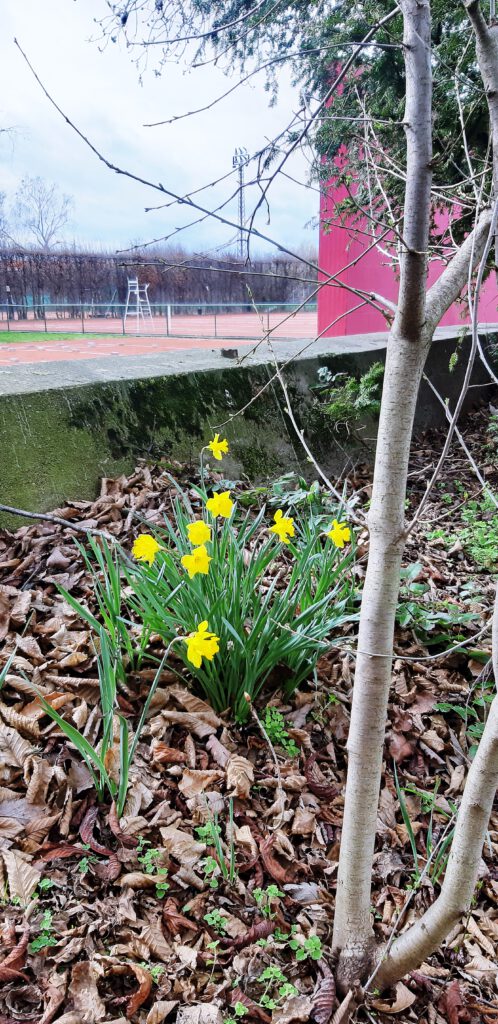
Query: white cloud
[101, 92]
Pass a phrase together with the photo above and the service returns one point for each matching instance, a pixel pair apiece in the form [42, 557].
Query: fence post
[44, 316]
[82, 319]
[168, 320]
[123, 320]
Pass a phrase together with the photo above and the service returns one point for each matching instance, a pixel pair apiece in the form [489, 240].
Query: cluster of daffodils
[203, 644]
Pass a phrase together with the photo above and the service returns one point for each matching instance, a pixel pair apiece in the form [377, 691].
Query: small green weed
[309, 948]
[472, 713]
[348, 398]
[433, 622]
[266, 899]
[210, 833]
[480, 533]
[276, 988]
[147, 858]
[45, 885]
[45, 937]
[274, 723]
[156, 971]
[217, 921]
[239, 1011]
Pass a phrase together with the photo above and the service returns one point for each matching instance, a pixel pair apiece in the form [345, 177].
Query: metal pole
[123, 319]
[82, 318]
[45, 316]
[168, 320]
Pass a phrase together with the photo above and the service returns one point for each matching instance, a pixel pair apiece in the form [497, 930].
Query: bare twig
[56, 520]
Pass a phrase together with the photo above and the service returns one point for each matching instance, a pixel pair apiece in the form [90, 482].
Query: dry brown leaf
[344, 1011]
[240, 776]
[201, 1013]
[152, 935]
[433, 741]
[298, 1008]
[23, 724]
[161, 1009]
[218, 751]
[11, 967]
[4, 614]
[137, 880]
[144, 978]
[485, 943]
[404, 998]
[162, 754]
[13, 748]
[30, 647]
[482, 969]
[174, 921]
[22, 877]
[193, 704]
[21, 608]
[451, 1003]
[200, 725]
[303, 823]
[194, 781]
[324, 997]
[244, 840]
[84, 992]
[37, 776]
[182, 846]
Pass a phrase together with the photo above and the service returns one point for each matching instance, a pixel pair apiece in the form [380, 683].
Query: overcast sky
[101, 92]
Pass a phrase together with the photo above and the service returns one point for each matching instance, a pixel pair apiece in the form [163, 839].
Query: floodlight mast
[240, 159]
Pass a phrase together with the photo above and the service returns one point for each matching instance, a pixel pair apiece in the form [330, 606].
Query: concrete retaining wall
[58, 437]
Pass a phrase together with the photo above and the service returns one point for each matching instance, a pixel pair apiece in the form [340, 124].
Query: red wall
[337, 248]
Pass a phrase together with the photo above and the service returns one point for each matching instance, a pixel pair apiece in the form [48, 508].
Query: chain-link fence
[195, 320]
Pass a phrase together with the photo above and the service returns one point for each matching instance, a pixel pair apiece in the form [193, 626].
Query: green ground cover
[39, 336]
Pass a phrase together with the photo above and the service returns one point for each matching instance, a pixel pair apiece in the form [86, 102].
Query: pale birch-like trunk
[417, 316]
[406, 354]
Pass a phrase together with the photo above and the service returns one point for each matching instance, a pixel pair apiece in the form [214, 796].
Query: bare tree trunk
[408, 344]
[406, 354]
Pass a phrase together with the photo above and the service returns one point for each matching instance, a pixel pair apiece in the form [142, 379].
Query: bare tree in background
[42, 210]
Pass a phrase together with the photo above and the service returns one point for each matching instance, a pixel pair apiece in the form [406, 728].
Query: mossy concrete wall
[56, 443]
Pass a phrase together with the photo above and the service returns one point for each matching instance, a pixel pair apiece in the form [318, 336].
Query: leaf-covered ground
[107, 920]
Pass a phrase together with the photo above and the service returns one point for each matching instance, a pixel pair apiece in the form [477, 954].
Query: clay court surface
[104, 336]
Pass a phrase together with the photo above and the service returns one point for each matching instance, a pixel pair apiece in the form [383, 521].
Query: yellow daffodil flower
[220, 505]
[217, 447]
[197, 562]
[199, 532]
[339, 534]
[283, 526]
[201, 644]
[145, 548]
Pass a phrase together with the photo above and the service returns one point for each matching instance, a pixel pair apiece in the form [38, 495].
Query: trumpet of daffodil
[339, 534]
[283, 526]
[197, 562]
[199, 532]
[217, 447]
[145, 548]
[220, 504]
[201, 644]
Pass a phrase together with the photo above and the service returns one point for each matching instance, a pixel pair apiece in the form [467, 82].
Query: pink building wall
[337, 248]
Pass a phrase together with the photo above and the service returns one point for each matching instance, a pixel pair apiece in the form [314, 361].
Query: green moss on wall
[55, 445]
